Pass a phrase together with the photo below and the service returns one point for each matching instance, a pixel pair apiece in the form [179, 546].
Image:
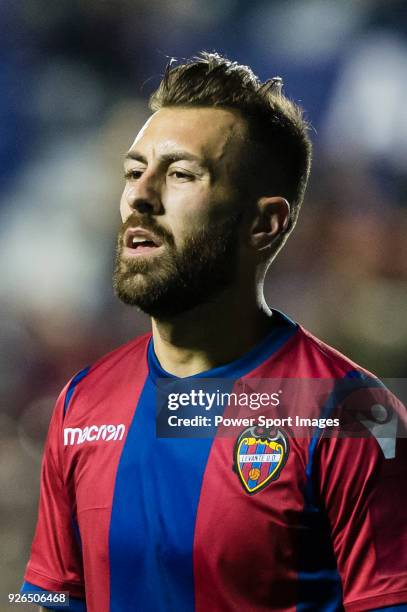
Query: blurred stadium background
[74, 79]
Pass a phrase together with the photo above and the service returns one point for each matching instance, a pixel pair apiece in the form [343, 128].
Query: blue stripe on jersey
[156, 497]
[400, 608]
[316, 545]
[75, 529]
[319, 582]
[352, 381]
[74, 382]
[75, 605]
[153, 516]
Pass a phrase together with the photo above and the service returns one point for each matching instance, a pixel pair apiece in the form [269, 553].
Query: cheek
[186, 211]
[124, 208]
[182, 225]
[191, 211]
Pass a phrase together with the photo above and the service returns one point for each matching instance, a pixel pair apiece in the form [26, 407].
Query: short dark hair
[276, 124]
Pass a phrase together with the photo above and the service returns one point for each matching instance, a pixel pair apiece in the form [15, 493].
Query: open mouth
[138, 241]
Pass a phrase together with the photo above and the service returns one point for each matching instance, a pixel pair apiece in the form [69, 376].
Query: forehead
[209, 132]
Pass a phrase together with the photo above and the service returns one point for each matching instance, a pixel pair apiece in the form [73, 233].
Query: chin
[160, 301]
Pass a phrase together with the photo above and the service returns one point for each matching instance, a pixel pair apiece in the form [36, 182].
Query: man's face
[179, 243]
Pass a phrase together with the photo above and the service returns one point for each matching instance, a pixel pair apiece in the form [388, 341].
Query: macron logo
[92, 433]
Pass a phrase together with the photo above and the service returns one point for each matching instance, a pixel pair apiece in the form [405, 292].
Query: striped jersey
[132, 521]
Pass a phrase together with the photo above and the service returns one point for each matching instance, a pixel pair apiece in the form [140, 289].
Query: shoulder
[129, 354]
[116, 370]
[319, 359]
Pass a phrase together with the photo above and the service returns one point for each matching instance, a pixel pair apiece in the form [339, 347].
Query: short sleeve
[362, 486]
[55, 562]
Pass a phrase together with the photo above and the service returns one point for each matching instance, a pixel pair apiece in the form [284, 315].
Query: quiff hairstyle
[278, 133]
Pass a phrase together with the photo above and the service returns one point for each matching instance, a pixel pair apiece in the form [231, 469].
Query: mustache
[148, 224]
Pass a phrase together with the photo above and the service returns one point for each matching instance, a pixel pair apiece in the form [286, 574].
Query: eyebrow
[169, 158]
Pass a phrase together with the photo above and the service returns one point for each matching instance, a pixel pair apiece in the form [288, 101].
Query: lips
[139, 241]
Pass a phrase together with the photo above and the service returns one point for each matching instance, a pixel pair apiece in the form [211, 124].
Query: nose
[143, 196]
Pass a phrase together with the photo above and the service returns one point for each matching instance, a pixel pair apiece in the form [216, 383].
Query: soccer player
[258, 521]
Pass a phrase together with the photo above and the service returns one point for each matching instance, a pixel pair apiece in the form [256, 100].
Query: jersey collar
[283, 330]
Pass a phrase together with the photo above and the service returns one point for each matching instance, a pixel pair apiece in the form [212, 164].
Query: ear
[272, 219]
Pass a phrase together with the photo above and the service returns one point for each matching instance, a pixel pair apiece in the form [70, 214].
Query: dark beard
[179, 280]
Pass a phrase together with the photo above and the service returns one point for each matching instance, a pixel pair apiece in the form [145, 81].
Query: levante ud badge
[259, 456]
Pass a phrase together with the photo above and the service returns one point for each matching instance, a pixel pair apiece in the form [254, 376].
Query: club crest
[259, 456]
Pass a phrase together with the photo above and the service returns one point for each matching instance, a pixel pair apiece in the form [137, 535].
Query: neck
[211, 334]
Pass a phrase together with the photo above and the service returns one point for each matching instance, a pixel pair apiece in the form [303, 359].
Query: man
[131, 521]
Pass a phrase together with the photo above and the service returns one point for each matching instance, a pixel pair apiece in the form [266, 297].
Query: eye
[180, 175]
[133, 174]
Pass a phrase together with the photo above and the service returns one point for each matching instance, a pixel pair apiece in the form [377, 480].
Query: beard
[181, 278]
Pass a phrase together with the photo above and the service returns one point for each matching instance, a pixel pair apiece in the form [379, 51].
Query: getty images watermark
[357, 406]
